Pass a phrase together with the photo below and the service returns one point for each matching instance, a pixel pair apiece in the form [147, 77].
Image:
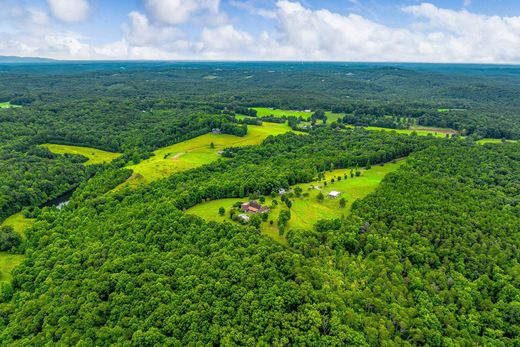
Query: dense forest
[430, 258]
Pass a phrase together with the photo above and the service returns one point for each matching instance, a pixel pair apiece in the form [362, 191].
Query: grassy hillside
[9, 261]
[197, 152]
[19, 223]
[306, 211]
[484, 141]
[7, 105]
[96, 156]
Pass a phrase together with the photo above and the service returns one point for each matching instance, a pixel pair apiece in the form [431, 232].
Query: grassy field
[7, 105]
[19, 223]
[444, 110]
[7, 263]
[10, 261]
[484, 141]
[197, 152]
[306, 211]
[95, 156]
[266, 112]
[420, 131]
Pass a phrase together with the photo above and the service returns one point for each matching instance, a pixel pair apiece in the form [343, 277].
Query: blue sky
[341, 30]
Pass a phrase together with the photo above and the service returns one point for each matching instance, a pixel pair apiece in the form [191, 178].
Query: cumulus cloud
[179, 11]
[298, 33]
[69, 10]
[140, 32]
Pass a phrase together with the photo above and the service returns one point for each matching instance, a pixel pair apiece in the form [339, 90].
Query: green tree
[8, 238]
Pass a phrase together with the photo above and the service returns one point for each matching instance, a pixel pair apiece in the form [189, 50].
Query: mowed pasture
[8, 105]
[419, 131]
[197, 152]
[484, 141]
[272, 112]
[307, 210]
[19, 223]
[95, 156]
[9, 261]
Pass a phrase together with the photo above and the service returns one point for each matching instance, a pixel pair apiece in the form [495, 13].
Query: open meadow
[8, 105]
[19, 223]
[95, 156]
[9, 261]
[484, 141]
[307, 210]
[197, 152]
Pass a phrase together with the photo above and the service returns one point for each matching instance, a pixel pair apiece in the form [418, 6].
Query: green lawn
[444, 110]
[7, 105]
[10, 261]
[306, 211]
[95, 156]
[484, 141]
[7, 263]
[420, 131]
[266, 112]
[19, 223]
[197, 152]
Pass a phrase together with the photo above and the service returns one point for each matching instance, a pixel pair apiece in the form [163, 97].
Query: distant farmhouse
[216, 131]
[334, 194]
[254, 207]
[282, 191]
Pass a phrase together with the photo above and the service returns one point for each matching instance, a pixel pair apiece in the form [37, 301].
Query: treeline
[33, 178]
[431, 258]
[484, 99]
[286, 160]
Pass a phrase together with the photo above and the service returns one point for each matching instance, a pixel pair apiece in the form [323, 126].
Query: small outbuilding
[334, 194]
[216, 131]
[282, 191]
[244, 217]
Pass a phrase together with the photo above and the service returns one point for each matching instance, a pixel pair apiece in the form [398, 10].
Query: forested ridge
[431, 258]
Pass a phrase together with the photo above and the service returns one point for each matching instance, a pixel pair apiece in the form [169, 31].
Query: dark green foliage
[428, 259]
[9, 239]
[31, 179]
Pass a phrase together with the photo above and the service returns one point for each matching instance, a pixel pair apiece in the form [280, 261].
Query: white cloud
[69, 10]
[175, 12]
[140, 32]
[224, 41]
[435, 35]
[251, 7]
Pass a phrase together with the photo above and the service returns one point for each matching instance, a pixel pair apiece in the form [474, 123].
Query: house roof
[334, 193]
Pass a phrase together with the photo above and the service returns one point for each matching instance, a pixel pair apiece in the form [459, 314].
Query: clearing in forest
[8, 105]
[420, 131]
[9, 261]
[484, 141]
[19, 223]
[271, 112]
[197, 152]
[307, 210]
[95, 156]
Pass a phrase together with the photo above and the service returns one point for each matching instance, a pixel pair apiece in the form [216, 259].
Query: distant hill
[14, 59]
